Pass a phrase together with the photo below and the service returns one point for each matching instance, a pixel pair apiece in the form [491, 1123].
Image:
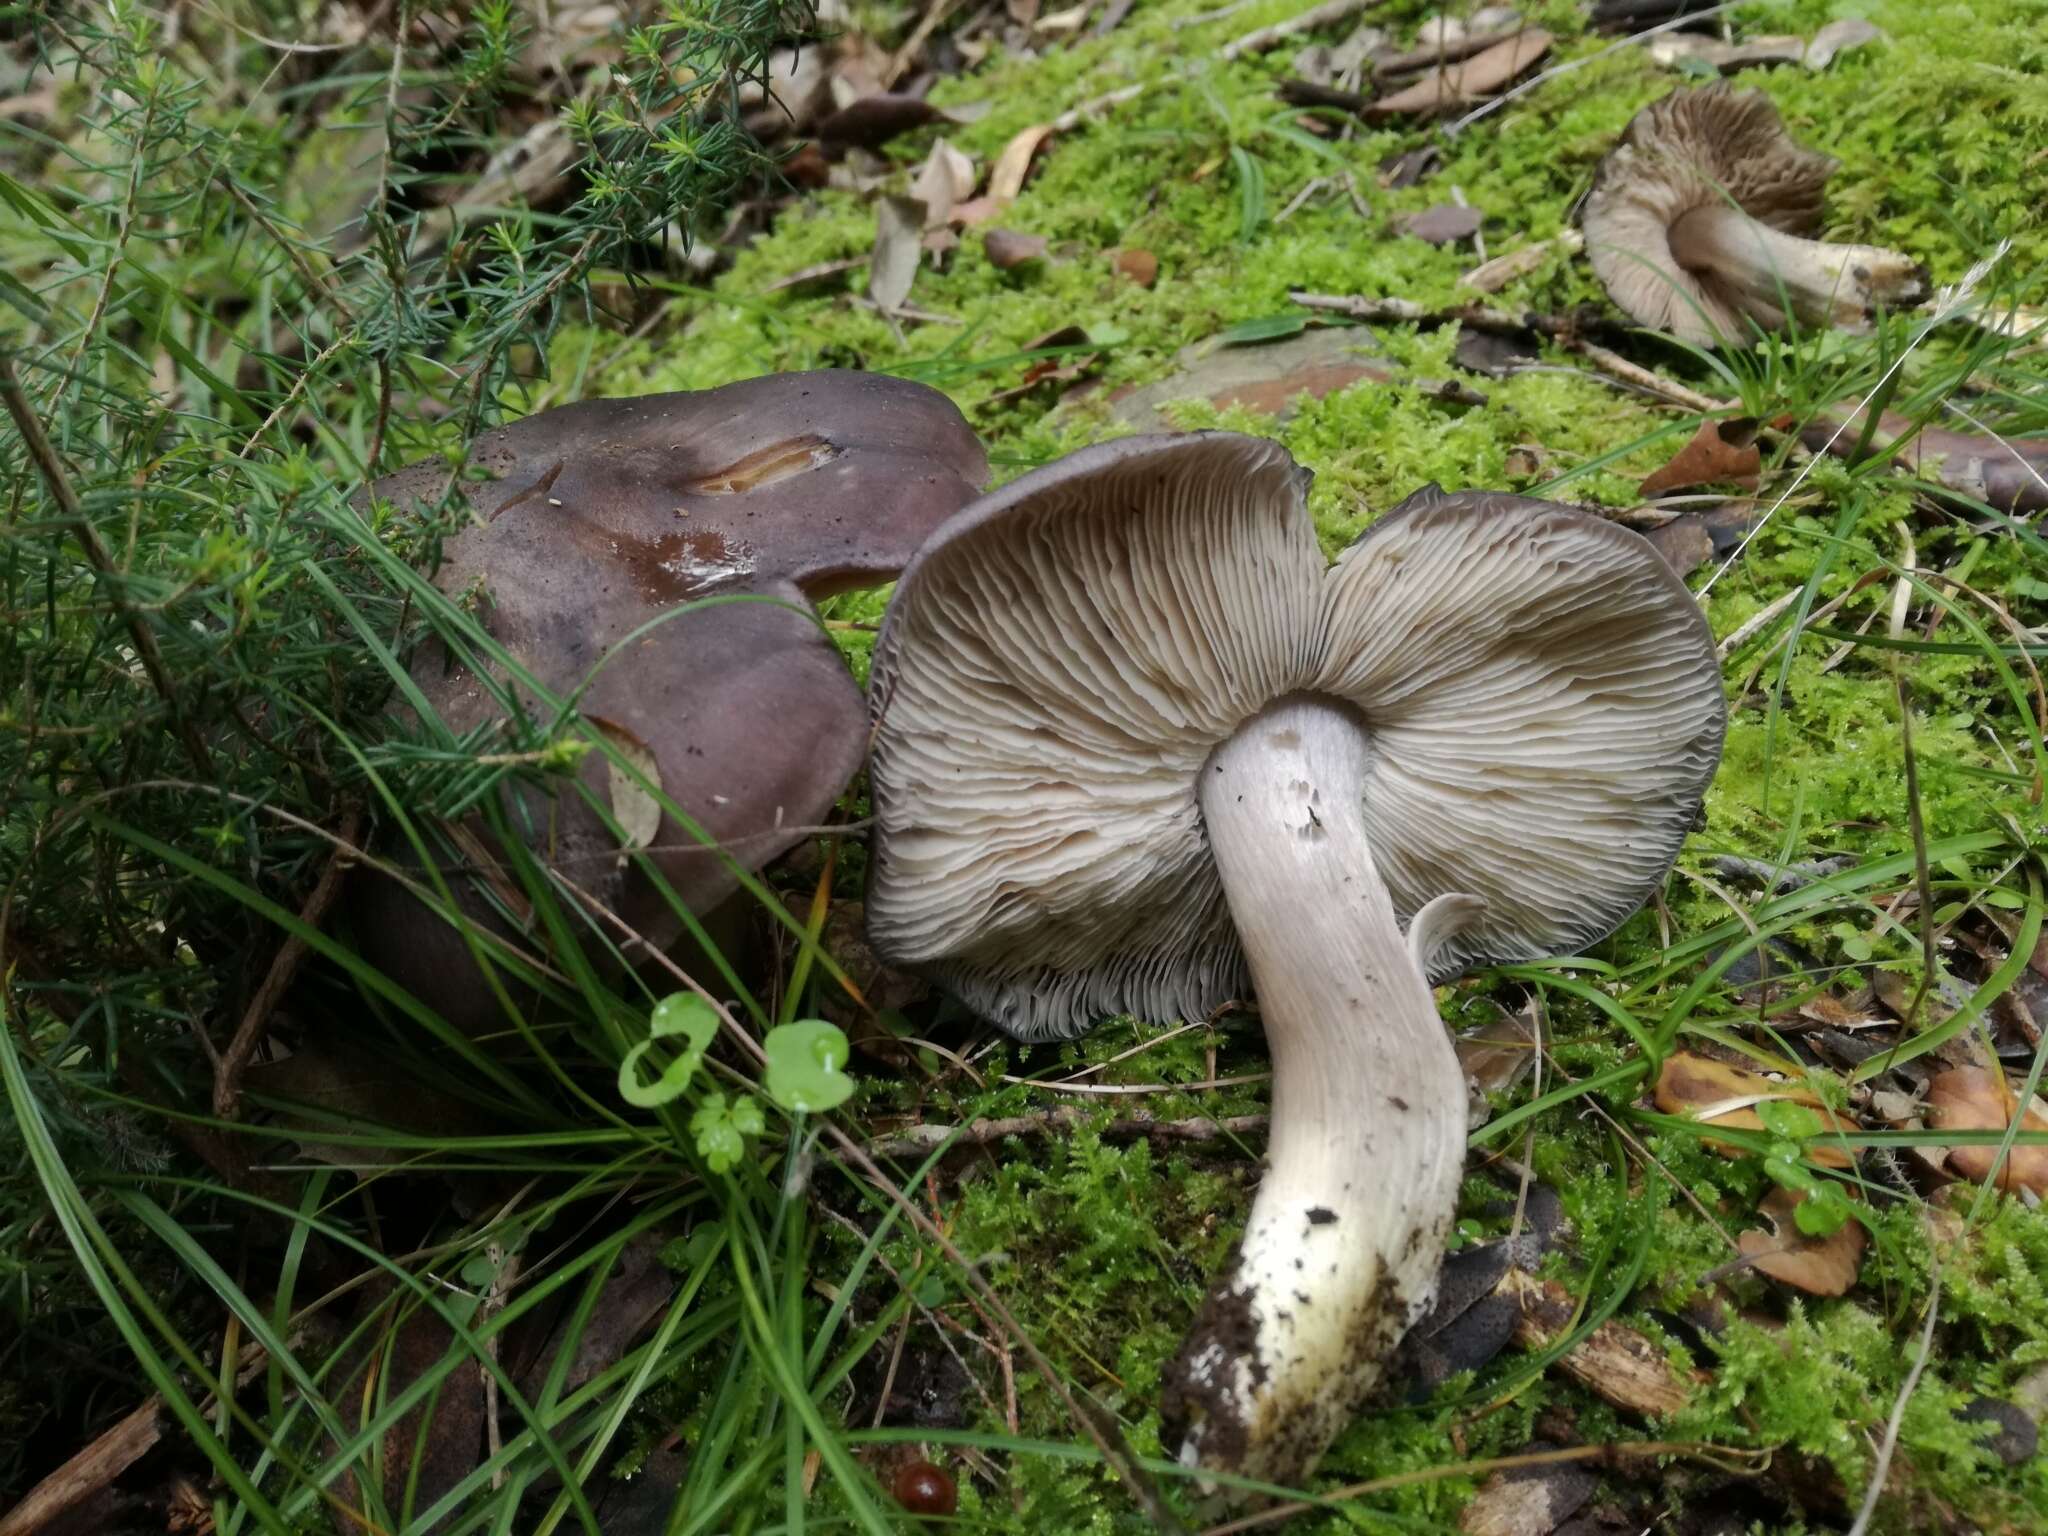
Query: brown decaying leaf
[1721, 452]
[1141, 267]
[1008, 249]
[1528, 1501]
[1444, 224]
[2008, 473]
[1050, 370]
[634, 807]
[945, 178]
[899, 247]
[1006, 179]
[1691, 1084]
[1980, 1099]
[1684, 543]
[1411, 166]
[1820, 1266]
[1457, 85]
[1496, 1056]
[874, 120]
[1616, 1363]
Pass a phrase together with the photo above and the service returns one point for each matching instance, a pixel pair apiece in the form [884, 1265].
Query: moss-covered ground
[1102, 1245]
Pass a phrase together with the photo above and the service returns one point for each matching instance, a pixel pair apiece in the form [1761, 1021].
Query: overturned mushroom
[599, 519]
[1701, 222]
[1137, 747]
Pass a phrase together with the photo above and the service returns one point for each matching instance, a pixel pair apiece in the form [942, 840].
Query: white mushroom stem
[1764, 269]
[1342, 1247]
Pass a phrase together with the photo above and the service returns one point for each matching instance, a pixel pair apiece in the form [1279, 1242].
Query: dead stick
[59, 482]
[284, 969]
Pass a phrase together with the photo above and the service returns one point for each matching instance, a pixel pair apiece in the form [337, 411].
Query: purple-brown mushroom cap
[654, 560]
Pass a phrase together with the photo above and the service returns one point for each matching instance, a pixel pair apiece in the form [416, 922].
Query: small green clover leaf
[1823, 1211]
[722, 1130]
[682, 1015]
[1794, 1122]
[804, 1059]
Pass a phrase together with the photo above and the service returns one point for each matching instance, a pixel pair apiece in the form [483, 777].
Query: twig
[284, 967]
[1633, 373]
[59, 482]
[1882, 1466]
[921, 1140]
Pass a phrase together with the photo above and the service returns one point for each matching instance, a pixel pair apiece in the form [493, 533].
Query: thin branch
[58, 480]
[1890, 1444]
[284, 968]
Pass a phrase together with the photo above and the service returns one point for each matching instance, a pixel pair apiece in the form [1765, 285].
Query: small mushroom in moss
[1138, 751]
[1702, 222]
[593, 547]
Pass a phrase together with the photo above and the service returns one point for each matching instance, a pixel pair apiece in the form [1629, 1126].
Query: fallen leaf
[1007, 249]
[1050, 370]
[1006, 180]
[1496, 1056]
[634, 807]
[2014, 1436]
[1839, 37]
[873, 121]
[1410, 167]
[1268, 379]
[945, 178]
[1141, 267]
[1980, 1099]
[1684, 544]
[1525, 461]
[2007, 473]
[1445, 40]
[1444, 224]
[1714, 1093]
[1528, 1501]
[1819, 1266]
[1457, 85]
[899, 248]
[1321, 64]
[1721, 452]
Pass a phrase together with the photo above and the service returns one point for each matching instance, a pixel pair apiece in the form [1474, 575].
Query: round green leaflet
[804, 1061]
[681, 1014]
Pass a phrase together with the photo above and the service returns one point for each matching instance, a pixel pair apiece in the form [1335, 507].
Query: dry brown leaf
[1528, 1501]
[1008, 249]
[1444, 224]
[945, 178]
[1141, 267]
[1684, 543]
[635, 808]
[1006, 180]
[1496, 1056]
[899, 248]
[1721, 452]
[1980, 1099]
[1457, 85]
[1820, 1266]
[1697, 1087]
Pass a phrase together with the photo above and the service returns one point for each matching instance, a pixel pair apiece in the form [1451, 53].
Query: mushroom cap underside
[1705, 147]
[1540, 692]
